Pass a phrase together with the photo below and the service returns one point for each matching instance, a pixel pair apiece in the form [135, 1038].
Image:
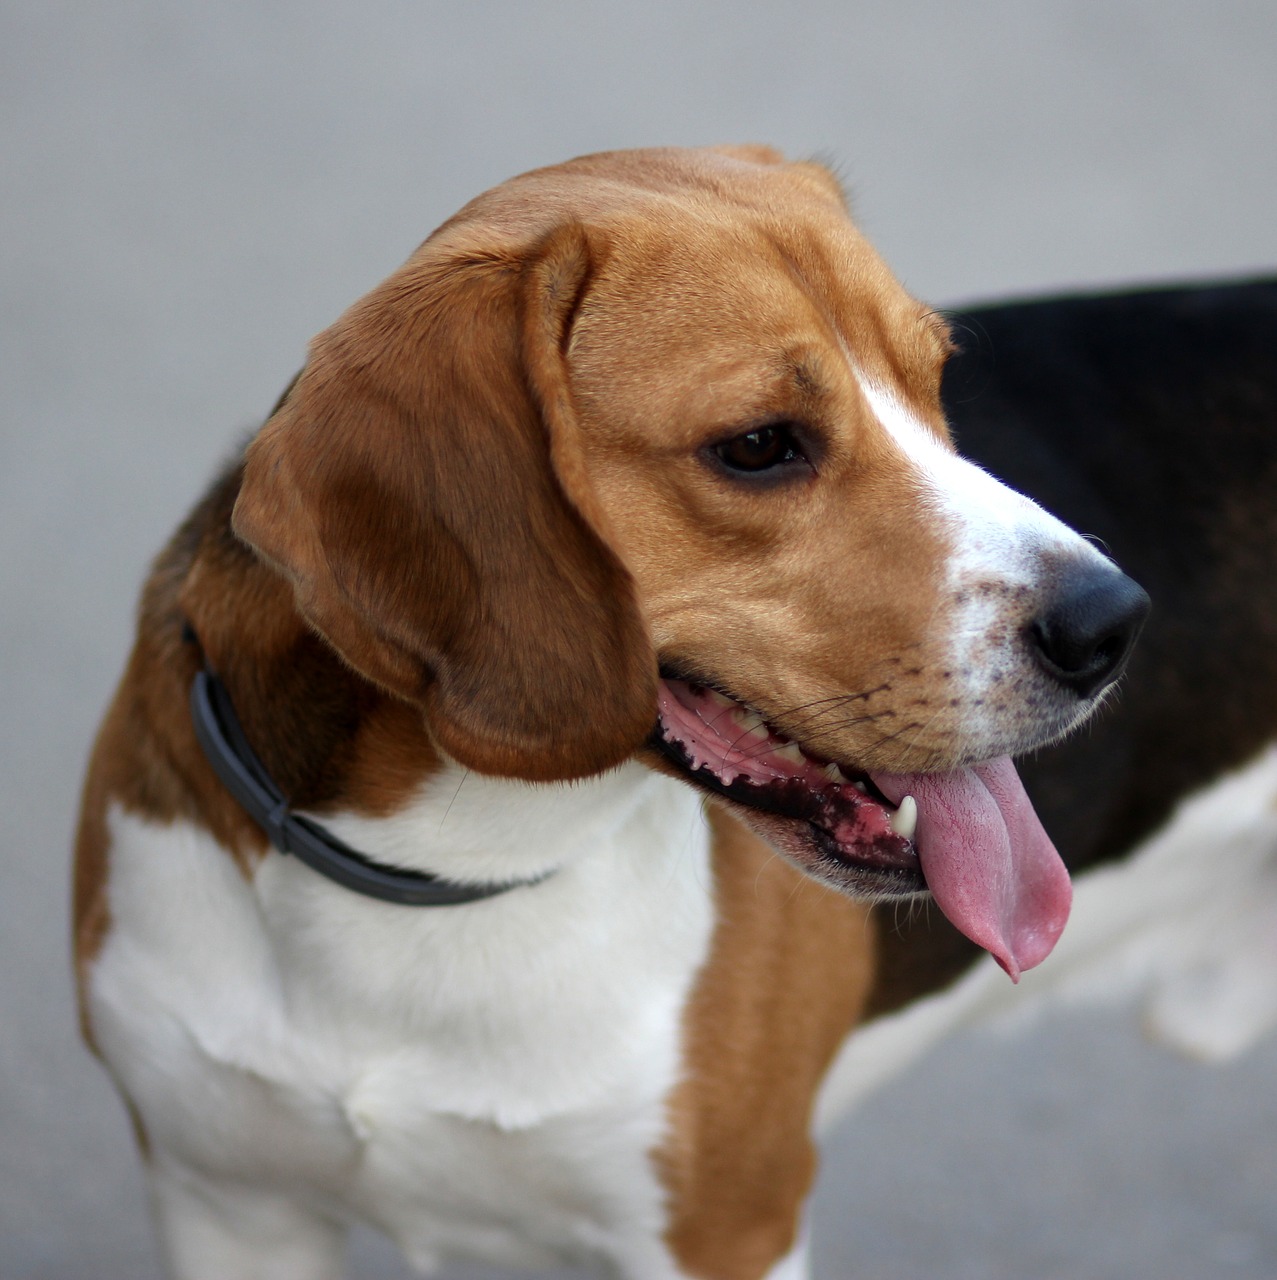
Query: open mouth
[970, 835]
[864, 839]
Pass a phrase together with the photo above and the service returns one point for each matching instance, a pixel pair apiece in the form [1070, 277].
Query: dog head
[646, 451]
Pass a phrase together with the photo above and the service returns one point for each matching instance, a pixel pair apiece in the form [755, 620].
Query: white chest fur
[485, 1080]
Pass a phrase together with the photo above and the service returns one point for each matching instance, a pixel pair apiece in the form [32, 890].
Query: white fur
[1189, 922]
[483, 1081]
[999, 533]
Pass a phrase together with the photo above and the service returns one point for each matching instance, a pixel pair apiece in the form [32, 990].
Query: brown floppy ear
[422, 488]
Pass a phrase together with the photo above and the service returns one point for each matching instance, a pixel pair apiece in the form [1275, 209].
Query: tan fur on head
[485, 451]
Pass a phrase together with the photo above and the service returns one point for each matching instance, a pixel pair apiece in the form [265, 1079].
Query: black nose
[1085, 634]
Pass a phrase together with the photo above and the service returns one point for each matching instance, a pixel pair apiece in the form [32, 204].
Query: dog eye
[761, 449]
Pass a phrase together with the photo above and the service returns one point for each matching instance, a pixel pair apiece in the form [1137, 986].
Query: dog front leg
[216, 1230]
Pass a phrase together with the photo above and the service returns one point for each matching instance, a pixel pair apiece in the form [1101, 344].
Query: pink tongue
[989, 865]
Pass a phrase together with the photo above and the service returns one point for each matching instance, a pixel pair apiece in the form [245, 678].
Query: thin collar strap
[222, 738]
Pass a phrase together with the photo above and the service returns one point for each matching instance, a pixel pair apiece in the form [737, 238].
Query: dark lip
[863, 879]
[884, 869]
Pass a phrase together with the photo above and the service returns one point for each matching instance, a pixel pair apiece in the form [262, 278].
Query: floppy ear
[423, 489]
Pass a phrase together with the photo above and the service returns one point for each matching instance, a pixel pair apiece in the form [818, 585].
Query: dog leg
[219, 1231]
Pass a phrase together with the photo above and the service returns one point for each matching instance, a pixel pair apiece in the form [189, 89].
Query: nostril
[1084, 637]
[1068, 641]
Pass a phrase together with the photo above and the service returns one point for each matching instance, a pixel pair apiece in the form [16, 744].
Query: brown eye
[761, 450]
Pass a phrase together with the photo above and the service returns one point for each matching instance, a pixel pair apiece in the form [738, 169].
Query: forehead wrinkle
[862, 304]
[695, 298]
[814, 296]
[806, 375]
[858, 314]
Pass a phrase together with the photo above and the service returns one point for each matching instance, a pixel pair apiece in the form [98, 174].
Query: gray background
[191, 191]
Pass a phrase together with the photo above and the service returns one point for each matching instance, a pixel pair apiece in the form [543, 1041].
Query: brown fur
[416, 439]
[786, 980]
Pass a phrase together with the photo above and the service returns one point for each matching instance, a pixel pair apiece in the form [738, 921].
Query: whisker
[828, 706]
[453, 801]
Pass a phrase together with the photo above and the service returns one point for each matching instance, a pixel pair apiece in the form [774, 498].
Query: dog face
[776, 473]
[654, 439]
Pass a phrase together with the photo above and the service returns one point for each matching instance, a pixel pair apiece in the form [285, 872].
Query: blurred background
[191, 191]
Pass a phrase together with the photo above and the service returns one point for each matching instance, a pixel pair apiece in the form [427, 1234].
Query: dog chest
[473, 1079]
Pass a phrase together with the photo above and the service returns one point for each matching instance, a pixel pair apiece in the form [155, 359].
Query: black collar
[222, 737]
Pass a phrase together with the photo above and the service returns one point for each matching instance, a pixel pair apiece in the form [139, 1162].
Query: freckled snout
[1085, 634]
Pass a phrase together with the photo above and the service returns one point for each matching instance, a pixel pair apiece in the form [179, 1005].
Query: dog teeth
[835, 775]
[748, 721]
[904, 822]
[792, 752]
[860, 786]
[719, 699]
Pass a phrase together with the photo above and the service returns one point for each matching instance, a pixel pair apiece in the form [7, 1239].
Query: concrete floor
[191, 191]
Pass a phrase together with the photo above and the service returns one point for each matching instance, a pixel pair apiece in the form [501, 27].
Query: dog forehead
[683, 292]
[695, 253]
[714, 321]
[692, 248]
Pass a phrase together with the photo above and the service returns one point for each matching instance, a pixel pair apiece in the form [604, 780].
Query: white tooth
[860, 786]
[748, 721]
[904, 822]
[835, 774]
[791, 752]
[719, 699]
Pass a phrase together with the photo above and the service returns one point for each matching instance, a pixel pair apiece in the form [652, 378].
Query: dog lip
[871, 872]
[843, 828]
[750, 739]
[785, 798]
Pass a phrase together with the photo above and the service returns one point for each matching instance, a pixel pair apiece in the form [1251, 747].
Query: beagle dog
[483, 839]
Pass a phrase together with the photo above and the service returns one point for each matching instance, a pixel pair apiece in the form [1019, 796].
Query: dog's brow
[806, 378]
